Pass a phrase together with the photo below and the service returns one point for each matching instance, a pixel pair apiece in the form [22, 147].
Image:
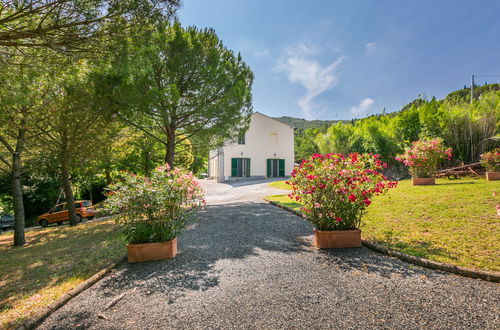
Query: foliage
[469, 129]
[71, 26]
[491, 160]
[155, 208]
[425, 222]
[305, 144]
[336, 189]
[424, 156]
[339, 138]
[70, 126]
[180, 83]
[303, 124]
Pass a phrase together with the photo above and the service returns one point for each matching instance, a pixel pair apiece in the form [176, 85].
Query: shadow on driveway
[237, 231]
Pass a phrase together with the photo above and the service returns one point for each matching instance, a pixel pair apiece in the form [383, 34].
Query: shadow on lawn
[51, 257]
[454, 183]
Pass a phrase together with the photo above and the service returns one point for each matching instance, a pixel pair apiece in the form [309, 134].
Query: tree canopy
[182, 84]
[69, 25]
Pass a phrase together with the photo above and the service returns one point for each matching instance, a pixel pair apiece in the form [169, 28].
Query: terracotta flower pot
[152, 251]
[492, 176]
[331, 239]
[423, 181]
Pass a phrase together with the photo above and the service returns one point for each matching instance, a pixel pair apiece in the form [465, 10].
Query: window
[58, 208]
[241, 139]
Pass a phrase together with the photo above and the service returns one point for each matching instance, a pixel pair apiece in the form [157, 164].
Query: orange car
[59, 213]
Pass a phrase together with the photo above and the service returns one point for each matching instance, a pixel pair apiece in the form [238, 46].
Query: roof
[260, 113]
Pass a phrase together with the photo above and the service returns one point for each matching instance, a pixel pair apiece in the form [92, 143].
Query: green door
[281, 168]
[247, 166]
[269, 168]
[234, 166]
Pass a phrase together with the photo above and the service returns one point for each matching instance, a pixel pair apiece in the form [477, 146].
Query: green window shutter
[234, 166]
[281, 164]
[247, 167]
[268, 168]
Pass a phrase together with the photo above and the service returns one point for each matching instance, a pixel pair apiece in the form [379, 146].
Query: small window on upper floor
[241, 139]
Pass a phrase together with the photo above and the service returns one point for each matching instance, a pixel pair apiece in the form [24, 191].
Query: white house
[266, 150]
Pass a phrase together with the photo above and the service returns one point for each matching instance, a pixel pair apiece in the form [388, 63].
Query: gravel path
[249, 265]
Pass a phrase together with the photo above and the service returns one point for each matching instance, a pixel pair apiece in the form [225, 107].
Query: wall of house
[212, 164]
[265, 139]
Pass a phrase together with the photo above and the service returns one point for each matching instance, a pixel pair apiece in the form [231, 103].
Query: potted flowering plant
[491, 161]
[335, 191]
[153, 210]
[422, 159]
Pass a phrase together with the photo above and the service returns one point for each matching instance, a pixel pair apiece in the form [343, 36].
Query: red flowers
[491, 160]
[343, 186]
[424, 156]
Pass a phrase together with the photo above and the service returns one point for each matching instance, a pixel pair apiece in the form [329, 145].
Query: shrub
[423, 157]
[491, 160]
[155, 208]
[336, 189]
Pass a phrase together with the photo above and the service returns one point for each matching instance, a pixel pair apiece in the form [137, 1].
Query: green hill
[303, 124]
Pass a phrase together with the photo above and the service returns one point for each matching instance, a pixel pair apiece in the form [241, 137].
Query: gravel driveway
[249, 265]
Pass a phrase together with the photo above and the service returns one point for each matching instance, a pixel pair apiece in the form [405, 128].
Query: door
[240, 167]
[275, 168]
[58, 213]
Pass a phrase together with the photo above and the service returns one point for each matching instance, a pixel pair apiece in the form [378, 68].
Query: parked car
[59, 213]
[6, 221]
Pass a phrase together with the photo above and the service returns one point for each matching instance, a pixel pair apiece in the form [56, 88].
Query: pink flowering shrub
[336, 189]
[491, 160]
[155, 208]
[423, 157]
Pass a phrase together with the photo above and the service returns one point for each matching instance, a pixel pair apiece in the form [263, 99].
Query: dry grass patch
[54, 260]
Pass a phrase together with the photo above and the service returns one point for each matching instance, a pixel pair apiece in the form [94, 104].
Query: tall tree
[70, 125]
[183, 84]
[22, 95]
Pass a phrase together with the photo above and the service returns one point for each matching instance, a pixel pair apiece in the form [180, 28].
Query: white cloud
[260, 53]
[370, 47]
[363, 106]
[315, 78]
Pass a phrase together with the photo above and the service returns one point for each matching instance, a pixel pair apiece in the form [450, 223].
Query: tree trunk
[17, 193]
[147, 161]
[17, 199]
[66, 184]
[107, 173]
[170, 150]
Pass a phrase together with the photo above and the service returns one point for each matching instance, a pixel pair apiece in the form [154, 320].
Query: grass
[454, 221]
[53, 261]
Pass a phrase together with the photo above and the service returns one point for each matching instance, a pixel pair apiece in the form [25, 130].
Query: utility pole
[472, 89]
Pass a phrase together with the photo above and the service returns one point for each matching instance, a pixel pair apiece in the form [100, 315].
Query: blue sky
[343, 59]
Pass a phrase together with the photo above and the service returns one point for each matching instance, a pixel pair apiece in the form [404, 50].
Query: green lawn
[454, 221]
[54, 260]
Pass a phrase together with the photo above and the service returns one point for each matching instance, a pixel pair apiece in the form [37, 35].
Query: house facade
[266, 150]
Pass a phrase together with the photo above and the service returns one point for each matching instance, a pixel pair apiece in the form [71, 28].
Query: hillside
[303, 124]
